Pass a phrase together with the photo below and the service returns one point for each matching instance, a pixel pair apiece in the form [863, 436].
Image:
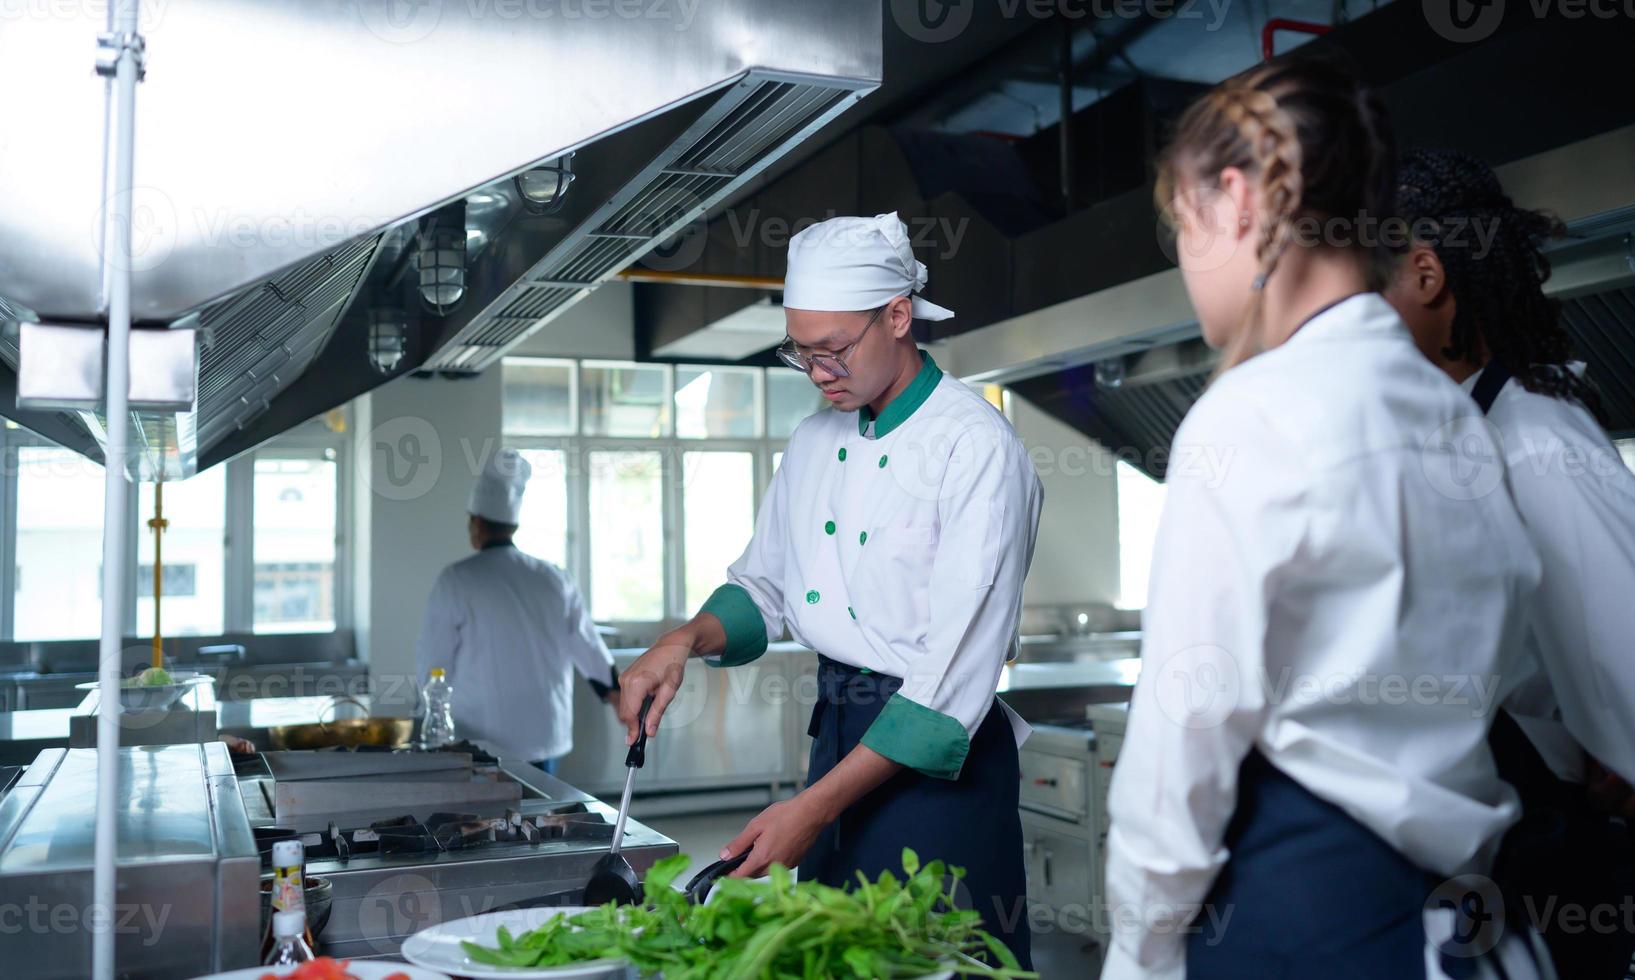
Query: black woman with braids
[1306, 762]
[1470, 287]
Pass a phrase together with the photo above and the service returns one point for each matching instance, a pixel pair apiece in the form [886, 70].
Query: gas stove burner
[437, 820]
[404, 840]
[459, 836]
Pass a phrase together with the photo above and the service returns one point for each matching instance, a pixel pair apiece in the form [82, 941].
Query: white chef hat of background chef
[497, 494]
[848, 265]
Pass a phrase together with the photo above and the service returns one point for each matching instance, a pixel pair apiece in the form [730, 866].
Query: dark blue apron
[1311, 893]
[970, 822]
[1561, 853]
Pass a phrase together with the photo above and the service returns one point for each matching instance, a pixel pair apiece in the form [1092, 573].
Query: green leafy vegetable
[777, 928]
[151, 677]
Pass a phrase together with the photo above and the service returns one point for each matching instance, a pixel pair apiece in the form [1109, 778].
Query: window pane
[622, 399]
[718, 500]
[294, 545]
[538, 396]
[626, 535]
[790, 397]
[543, 531]
[58, 578]
[1140, 501]
[718, 403]
[195, 510]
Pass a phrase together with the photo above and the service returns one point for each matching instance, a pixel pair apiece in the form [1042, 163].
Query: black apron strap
[1489, 383]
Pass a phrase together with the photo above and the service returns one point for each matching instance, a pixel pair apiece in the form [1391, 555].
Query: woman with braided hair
[1471, 289]
[1306, 771]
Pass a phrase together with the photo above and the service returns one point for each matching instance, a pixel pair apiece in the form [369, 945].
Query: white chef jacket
[1323, 592]
[1577, 498]
[898, 545]
[511, 629]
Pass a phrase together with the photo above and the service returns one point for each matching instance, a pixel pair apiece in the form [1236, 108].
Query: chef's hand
[780, 834]
[657, 672]
[238, 746]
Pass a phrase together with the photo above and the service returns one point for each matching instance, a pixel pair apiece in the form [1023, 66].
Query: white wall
[1075, 561]
[419, 452]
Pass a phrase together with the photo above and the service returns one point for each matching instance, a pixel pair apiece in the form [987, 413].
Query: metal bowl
[347, 732]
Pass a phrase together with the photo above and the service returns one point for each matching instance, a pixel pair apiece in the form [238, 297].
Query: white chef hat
[854, 264]
[497, 494]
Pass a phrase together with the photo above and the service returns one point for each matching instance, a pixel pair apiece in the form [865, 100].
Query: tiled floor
[1056, 957]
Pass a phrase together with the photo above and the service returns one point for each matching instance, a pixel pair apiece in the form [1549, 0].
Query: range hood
[287, 151]
[1124, 364]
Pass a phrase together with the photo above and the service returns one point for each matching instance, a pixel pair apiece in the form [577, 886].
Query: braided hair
[1317, 142]
[1456, 201]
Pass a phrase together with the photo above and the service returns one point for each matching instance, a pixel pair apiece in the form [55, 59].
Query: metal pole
[116, 260]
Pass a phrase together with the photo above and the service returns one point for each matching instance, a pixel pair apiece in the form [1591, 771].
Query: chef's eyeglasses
[790, 353]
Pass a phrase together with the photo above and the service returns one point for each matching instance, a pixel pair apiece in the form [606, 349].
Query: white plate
[438, 948]
[362, 969]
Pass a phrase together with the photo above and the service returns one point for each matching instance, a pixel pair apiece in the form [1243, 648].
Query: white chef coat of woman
[893, 542]
[511, 630]
[1305, 770]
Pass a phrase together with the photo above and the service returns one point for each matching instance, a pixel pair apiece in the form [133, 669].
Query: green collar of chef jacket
[900, 408]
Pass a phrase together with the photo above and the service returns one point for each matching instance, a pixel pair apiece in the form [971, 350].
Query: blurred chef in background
[1306, 771]
[510, 630]
[1471, 290]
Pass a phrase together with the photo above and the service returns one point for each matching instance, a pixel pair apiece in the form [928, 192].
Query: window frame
[14, 439]
[671, 449]
[331, 447]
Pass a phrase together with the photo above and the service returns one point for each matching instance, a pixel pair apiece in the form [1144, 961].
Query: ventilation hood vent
[734, 139]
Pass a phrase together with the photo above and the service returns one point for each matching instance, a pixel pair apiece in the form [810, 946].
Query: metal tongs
[613, 879]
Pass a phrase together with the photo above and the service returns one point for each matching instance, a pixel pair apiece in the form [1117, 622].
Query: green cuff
[741, 618]
[913, 735]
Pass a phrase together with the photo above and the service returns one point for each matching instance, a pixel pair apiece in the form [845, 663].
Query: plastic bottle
[437, 728]
[289, 948]
[288, 894]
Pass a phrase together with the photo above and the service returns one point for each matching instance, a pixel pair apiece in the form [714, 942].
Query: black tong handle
[699, 888]
[637, 755]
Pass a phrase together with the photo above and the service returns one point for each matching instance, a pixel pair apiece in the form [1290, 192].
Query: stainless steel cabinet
[1060, 869]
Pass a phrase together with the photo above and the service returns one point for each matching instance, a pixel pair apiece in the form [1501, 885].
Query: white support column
[116, 251]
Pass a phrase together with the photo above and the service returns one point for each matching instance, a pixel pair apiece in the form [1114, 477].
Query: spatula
[613, 879]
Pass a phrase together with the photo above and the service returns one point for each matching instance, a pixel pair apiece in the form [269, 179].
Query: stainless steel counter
[188, 868]
[744, 729]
